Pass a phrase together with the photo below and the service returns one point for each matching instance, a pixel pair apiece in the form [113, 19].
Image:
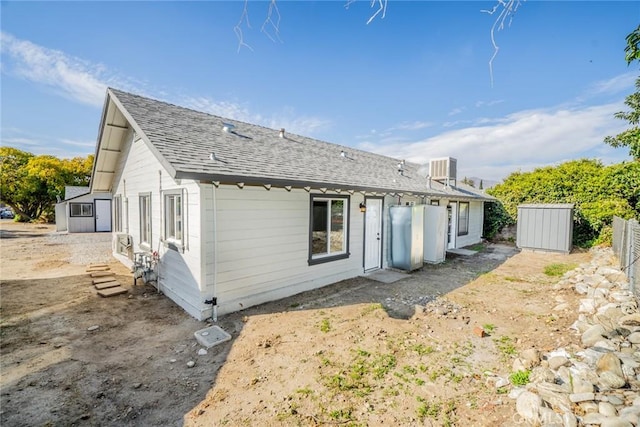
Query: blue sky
[414, 84]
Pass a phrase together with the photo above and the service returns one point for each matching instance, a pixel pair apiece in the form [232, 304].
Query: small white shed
[547, 227]
[83, 212]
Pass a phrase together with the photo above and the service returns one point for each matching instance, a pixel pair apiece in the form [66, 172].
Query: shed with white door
[83, 212]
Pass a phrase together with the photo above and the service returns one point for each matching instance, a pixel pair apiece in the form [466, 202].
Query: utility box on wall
[546, 227]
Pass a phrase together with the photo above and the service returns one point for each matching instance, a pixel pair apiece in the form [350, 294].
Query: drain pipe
[214, 299]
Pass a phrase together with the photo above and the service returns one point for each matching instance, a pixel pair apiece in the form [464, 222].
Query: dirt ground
[358, 352]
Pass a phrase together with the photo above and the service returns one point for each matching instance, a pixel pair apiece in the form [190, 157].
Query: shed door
[103, 215]
[373, 234]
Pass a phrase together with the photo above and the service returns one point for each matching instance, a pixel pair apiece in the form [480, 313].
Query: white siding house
[233, 214]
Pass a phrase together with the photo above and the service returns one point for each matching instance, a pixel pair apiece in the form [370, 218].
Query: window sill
[145, 247]
[322, 260]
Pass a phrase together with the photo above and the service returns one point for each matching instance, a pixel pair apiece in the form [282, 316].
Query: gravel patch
[84, 248]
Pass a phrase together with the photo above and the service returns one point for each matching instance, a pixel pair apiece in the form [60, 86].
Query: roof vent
[227, 127]
[401, 167]
[443, 169]
[281, 134]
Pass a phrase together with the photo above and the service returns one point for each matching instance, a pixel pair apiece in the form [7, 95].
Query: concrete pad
[103, 274]
[213, 335]
[465, 252]
[102, 280]
[112, 291]
[386, 276]
[107, 285]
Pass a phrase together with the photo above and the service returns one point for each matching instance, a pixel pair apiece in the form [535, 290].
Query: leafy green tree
[598, 193]
[31, 184]
[630, 137]
[632, 51]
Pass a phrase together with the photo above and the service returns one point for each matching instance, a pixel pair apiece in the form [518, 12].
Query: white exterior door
[452, 229]
[373, 234]
[103, 215]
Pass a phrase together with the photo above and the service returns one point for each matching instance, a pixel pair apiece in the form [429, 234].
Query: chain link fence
[626, 246]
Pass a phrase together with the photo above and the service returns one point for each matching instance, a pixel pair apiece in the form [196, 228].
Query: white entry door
[452, 229]
[373, 234]
[103, 215]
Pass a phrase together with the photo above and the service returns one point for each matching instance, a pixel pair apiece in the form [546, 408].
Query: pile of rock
[599, 383]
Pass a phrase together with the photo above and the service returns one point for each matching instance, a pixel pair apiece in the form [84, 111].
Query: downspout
[215, 254]
[158, 278]
[126, 204]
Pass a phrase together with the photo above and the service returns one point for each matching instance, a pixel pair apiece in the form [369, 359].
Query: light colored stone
[528, 405]
[630, 320]
[93, 328]
[581, 397]
[611, 363]
[541, 374]
[581, 288]
[557, 361]
[202, 352]
[610, 381]
[607, 409]
[532, 355]
[519, 364]
[569, 420]
[592, 335]
[549, 418]
[588, 407]
[593, 418]
[614, 400]
[615, 422]
[191, 364]
[607, 345]
[587, 305]
[634, 338]
[581, 386]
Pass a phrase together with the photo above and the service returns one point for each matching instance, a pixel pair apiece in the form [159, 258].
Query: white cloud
[74, 78]
[523, 140]
[456, 111]
[87, 144]
[615, 85]
[488, 103]
[416, 125]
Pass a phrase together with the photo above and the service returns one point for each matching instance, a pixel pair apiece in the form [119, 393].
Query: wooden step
[103, 274]
[92, 269]
[97, 265]
[112, 291]
[102, 280]
[107, 285]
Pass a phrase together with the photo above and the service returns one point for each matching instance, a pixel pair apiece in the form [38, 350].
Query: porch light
[363, 207]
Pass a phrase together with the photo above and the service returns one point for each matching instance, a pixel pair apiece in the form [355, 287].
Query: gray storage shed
[547, 227]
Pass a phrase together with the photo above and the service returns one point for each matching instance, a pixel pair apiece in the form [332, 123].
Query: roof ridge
[342, 146]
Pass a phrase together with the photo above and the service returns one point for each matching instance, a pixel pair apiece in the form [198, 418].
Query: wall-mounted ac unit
[124, 245]
[443, 169]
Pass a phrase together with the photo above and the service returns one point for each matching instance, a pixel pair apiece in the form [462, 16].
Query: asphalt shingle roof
[187, 140]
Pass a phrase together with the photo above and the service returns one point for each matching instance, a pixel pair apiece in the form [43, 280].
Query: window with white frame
[329, 228]
[173, 216]
[145, 219]
[81, 209]
[117, 213]
[463, 218]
